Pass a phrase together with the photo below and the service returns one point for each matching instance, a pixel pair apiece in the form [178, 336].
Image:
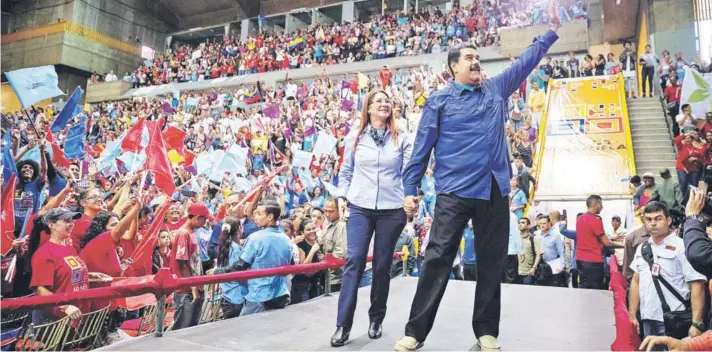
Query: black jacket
[698, 247]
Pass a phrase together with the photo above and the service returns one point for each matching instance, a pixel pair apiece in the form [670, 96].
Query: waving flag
[8, 160]
[71, 108]
[34, 84]
[58, 157]
[136, 138]
[157, 159]
[107, 159]
[141, 257]
[75, 146]
[271, 111]
[234, 161]
[174, 138]
[7, 220]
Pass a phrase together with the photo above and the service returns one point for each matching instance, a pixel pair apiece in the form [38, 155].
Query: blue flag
[71, 108]
[8, 161]
[34, 84]
[75, 146]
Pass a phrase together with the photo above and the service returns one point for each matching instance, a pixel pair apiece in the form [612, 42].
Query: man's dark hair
[332, 200]
[635, 179]
[648, 46]
[527, 220]
[627, 42]
[271, 207]
[654, 207]
[454, 56]
[35, 168]
[548, 219]
[684, 106]
[593, 199]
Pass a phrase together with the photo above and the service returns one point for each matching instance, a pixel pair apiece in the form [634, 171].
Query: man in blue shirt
[464, 123]
[468, 256]
[553, 248]
[266, 248]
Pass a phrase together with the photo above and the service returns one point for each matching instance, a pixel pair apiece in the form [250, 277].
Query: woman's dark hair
[39, 226]
[35, 167]
[145, 211]
[226, 239]
[303, 224]
[97, 226]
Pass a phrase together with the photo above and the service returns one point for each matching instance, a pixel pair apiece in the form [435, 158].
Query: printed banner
[586, 148]
[697, 91]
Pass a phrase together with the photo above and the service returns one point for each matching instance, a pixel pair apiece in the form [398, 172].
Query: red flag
[189, 158]
[58, 158]
[7, 223]
[157, 160]
[175, 139]
[143, 254]
[132, 141]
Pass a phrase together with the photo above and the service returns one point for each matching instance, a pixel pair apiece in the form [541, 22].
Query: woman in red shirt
[57, 268]
[690, 156]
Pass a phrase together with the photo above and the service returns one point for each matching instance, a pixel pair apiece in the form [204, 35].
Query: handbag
[677, 323]
[543, 272]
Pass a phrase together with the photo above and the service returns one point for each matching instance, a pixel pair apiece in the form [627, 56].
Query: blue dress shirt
[515, 239]
[466, 128]
[267, 248]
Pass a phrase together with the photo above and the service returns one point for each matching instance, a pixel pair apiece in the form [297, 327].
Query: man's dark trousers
[490, 219]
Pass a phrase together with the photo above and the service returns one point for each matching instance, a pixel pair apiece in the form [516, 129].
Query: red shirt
[100, 255]
[172, 226]
[386, 78]
[588, 248]
[185, 248]
[59, 269]
[128, 247]
[672, 93]
[81, 226]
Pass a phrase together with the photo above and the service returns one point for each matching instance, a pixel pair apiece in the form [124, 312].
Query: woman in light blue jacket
[375, 154]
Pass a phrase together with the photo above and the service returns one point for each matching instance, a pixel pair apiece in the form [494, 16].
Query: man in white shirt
[662, 258]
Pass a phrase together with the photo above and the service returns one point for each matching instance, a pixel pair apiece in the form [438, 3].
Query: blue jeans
[366, 279]
[250, 308]
[687, 179]
[363, 223]
[527, 280]
[430, 206]
[653, 328]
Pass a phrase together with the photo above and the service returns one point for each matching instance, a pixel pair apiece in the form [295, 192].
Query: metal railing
[164, 283]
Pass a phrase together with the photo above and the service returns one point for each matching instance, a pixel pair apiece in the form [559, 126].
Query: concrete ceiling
[201, 13]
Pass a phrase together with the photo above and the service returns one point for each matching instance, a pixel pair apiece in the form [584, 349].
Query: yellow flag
[362, 81]
[174, 157]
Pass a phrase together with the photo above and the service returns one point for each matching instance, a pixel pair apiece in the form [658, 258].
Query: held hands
[410, 205]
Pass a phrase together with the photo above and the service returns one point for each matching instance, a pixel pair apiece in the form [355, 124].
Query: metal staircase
[652, 137]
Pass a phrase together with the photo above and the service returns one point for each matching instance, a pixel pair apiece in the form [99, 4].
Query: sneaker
[407, 343]
[488, 343]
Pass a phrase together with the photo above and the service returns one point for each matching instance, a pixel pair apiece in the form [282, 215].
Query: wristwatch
[700, 326]
[697, 217]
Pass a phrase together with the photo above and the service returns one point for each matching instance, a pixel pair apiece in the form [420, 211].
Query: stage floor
[533, 318]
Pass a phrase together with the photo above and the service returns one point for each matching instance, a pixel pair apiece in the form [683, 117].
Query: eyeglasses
[97, 197]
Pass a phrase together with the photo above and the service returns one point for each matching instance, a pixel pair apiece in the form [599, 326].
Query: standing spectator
[552, 248]
[648, 61]
[333, 239]
[186, 262]
[668, 191]
[660, 261]
[515, 251]
[518, 201]
[537, 103]
[469, 259]
[531, 246]
[230, 248]
[385, 76]
[264, 249]
[671, 95]
[590, 240]
[572, 64]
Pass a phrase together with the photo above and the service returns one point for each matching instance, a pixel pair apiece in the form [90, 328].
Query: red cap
[200, 209]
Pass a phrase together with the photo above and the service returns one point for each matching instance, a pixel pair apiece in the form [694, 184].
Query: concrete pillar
[464, 3]
[348, 12]
[227, 31]
[245, 29]
[672, 27]
[169, 39]
[405, 5]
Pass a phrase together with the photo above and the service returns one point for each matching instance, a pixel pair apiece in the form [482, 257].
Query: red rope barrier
[166, 283]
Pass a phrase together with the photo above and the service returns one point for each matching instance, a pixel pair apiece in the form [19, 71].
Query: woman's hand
[99, 277]
[72, 312]
[298, 239]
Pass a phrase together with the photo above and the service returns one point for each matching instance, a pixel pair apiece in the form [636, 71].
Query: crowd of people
[81, 222]
[394, 34]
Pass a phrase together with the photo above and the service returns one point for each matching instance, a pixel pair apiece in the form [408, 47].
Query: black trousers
[490, 219]
[509, 274]
[648, 73]
[470, 272]
[590, 275]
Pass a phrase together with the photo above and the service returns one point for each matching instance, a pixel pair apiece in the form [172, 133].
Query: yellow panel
[10, 103]
[586, 148]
